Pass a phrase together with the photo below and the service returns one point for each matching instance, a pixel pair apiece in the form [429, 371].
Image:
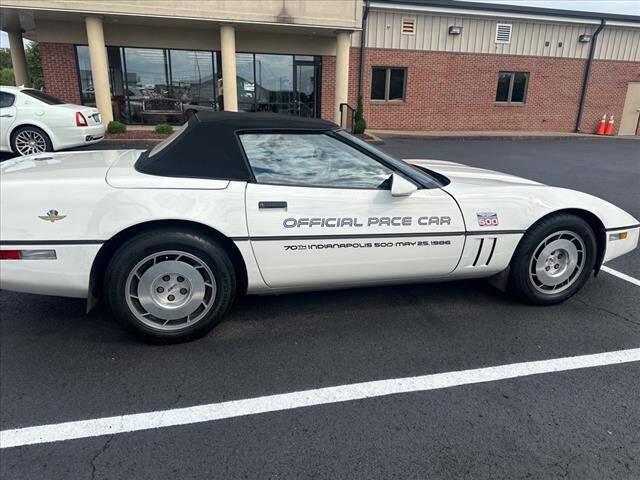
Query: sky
[625, 7]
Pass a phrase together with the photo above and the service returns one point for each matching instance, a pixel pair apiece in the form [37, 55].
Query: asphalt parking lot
[58, 364]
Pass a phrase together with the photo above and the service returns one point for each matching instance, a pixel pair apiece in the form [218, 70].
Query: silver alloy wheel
[557, 262]
[170, 290]
[28, 142]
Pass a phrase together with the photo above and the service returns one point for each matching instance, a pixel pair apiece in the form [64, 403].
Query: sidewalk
[493, 135]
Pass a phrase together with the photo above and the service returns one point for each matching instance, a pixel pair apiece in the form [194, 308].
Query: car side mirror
[401, 187]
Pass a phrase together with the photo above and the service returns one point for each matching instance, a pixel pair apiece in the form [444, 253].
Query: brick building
[428, 65]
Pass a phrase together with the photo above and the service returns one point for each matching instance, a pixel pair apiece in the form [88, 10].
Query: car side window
[6, 99]
[312, 160]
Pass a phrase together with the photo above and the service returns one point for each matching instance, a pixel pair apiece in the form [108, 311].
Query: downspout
[363, 39]
[587, 73]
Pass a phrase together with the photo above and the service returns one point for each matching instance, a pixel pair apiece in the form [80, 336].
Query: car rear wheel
[554, 260]
[30, 140]
[170, 286]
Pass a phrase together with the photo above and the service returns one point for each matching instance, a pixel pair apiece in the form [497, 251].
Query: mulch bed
[136, 135]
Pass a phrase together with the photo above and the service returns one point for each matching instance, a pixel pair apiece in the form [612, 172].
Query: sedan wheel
[31, 140]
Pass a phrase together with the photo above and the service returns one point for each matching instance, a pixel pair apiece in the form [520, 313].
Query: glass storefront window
[278, 83]
[274, 83]
[192, 79]
[146, 79]
[245, 81]
[154, 85]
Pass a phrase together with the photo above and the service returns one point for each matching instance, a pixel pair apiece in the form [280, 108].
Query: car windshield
[43, 97]
[428, 178]
[167, 141]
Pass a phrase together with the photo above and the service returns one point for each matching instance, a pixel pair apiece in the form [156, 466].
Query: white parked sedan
[32, 121]
[260, 203]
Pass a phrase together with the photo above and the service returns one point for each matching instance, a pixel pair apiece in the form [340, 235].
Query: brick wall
[607, 91]
[454, 91]
[60, 71]
[328, 88]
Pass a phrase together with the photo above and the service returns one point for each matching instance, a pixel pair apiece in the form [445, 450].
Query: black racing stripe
[494, 232]
[628, 227]
[364, 235]
[5, 243]
[355, 236]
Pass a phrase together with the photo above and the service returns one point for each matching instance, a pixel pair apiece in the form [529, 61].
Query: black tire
[119, 281]
[37, 132]
[524, 282]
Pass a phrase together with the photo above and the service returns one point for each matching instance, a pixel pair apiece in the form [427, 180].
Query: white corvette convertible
[240, 203]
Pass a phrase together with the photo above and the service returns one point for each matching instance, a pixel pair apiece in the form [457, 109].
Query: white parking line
[306, 398]
[621, 275]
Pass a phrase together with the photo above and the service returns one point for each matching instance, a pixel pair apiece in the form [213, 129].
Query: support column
[18, 58]
[229, 76]
[343, 43]
[99, 67]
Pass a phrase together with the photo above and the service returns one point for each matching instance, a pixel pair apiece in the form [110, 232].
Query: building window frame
[387, 84]
[512, 76]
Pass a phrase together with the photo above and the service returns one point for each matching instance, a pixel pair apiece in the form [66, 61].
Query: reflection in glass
[116, 79]
[311, 160]
[146, 79]
[245, 81]
[192, 79]
[274, 83]
[396, 84]
[502, 93]
[519, 87]
[378, 81]
[163, 83]
[277, 83]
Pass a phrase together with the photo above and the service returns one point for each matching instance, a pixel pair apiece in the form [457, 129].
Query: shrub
[116, 127]
[164, 128]
[359, 125]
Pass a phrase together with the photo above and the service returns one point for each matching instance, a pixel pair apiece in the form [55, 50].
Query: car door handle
[272, 204]
[5, 116]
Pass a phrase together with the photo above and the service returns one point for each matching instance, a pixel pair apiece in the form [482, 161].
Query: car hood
[460, 174]
[65, 167]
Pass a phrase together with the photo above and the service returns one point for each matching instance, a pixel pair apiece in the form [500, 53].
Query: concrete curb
[381, 135]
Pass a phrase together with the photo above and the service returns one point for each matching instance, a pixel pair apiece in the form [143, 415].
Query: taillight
[80, 120]
[39, 254]
[9, 254]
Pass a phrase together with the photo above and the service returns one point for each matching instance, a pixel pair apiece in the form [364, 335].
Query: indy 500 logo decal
[487, 219]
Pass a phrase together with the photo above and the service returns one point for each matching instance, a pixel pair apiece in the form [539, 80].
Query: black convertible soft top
[208, 146]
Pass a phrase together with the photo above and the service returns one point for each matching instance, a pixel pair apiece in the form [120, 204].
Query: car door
[322, 213]
[8, 114]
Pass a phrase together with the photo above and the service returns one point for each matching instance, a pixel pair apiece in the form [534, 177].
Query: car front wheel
[554, 260]
[169, 286]
[30, 140]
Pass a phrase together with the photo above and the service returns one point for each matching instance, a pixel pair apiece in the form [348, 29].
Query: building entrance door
[306, 85]
[630, 121]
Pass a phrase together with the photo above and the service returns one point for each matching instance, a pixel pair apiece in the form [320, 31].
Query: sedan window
[6, 99]
[313, 160]
[43, 97]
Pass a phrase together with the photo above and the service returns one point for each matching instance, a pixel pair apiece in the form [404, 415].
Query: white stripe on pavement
[306, 398]
[621, 275]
